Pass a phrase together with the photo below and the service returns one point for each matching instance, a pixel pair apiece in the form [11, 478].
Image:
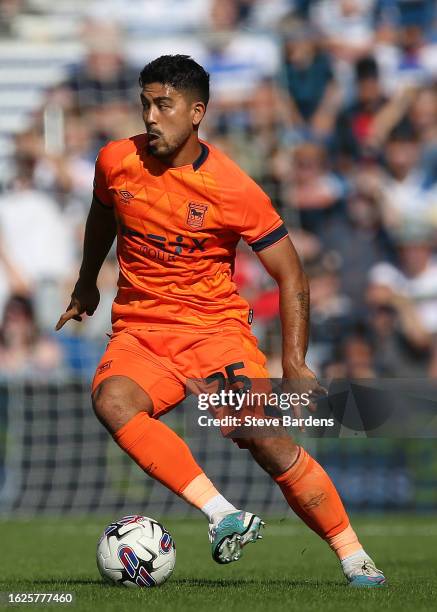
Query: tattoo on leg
[304, 303]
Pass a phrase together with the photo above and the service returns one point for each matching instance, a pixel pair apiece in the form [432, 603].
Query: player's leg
[126, 411]
[209, 357]
[306, 486]
[312, 495]
[128, 390]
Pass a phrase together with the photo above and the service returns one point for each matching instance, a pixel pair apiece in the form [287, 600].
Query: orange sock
[345, 543]
[199, 491]
[164, 456]
[311, 494]
[160, 453]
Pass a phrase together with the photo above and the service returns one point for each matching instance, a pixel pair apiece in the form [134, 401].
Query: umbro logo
[125, 196]
[104, 366]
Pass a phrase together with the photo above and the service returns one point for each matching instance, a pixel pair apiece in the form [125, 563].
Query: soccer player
[178, 207]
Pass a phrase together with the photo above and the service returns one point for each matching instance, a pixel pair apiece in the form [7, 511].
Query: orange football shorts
[163, 360]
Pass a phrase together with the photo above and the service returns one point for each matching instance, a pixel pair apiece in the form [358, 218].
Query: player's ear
[198, 110]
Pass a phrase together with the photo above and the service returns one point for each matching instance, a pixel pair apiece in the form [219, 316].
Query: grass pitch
[290, 569]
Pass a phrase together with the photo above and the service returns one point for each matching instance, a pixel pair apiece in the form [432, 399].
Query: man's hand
[100, 231]
[301, 379]
[83, 300]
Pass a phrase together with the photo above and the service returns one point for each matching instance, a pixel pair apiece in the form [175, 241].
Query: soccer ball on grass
[136, 551]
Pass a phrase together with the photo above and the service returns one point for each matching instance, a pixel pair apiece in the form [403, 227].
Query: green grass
[290, 569]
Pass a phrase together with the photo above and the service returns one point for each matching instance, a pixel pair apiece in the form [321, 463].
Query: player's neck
[186, 155]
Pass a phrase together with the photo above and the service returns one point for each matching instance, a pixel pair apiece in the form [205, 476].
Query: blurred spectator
[359, 355]
[36, 245]
[104, 76]
[360, 241]
[347, 26]
[408, 193]
[237, 60]
[249, 135]
[354, 124]
[309, 80]
[23, 350]
[112, 121]
[70, 174]
[412, 61]
[404, 12]
[402, 344]
[314, 191]
[355, 358]
[9, 9]
[225, 15]
[331, 311]
[307, 245]
[413, 279]
[423, 117]
[268, 112]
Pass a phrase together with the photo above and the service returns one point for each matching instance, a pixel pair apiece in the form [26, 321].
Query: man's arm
[282, 263]
[100, 231]
[18, 283]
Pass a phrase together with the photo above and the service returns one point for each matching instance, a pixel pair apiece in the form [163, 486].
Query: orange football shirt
[177, 231]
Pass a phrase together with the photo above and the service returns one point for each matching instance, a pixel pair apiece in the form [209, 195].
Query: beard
[162, 148]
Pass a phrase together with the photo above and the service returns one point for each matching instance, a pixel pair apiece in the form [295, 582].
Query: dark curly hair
[179, 71]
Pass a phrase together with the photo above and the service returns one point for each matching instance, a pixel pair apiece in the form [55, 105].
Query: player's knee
[107, 399]
[275, 454]
[116, 401]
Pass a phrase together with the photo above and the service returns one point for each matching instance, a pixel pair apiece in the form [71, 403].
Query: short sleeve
[101, 173]
[255, 219]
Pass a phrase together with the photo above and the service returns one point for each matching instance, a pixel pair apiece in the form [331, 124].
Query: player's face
[170, 117]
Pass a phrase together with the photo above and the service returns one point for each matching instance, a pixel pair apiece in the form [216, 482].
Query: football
[136, 551]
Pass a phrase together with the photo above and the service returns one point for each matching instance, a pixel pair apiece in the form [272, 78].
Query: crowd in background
[330, 105]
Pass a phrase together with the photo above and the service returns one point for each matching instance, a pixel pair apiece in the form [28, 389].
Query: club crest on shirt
[196, 214]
